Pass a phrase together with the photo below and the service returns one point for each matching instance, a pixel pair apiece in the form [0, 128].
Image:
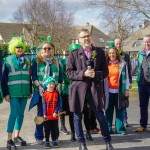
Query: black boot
[63, 129]
[11, 145]
[109, 146]
[82, 146]
[20, 140]
[62, 122]
[88, 136]
[72, 139]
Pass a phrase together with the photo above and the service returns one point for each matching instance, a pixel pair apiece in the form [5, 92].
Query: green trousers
[113, 103]
[17, 108]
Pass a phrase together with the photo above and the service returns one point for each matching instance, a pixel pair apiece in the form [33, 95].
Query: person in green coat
[16, 88]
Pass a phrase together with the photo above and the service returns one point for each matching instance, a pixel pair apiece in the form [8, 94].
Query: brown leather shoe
[140, 129]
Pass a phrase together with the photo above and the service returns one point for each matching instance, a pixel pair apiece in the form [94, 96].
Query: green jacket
[141, 57]
[18, 77]
[66, 80]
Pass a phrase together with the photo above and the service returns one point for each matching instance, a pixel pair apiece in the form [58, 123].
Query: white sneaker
[40, 142]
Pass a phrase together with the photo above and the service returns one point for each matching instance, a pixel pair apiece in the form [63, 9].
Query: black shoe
[47, 145]
[20, 140]
[82, 146]
[109, 146]
[63, 130]
[11, 145]
[88, 136]
[55, 144]
[72, 139]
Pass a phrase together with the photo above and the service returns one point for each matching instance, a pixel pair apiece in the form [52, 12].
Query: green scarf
[1, 94]
[123, 73]
[120, 51]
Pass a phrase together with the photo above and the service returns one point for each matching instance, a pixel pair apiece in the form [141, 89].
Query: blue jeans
[39, 134]
[144, 95]
[17, 108]
[100, 117]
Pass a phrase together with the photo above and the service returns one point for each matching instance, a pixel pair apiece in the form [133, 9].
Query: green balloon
[73, 47]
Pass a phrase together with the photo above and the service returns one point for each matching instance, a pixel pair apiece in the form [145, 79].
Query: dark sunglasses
[19, 47]
[49, 48]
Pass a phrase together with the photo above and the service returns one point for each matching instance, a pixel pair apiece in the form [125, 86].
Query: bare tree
[116, 15]
[43, 18]
[142, 7]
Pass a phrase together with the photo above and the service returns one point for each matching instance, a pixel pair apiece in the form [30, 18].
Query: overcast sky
[82, 13]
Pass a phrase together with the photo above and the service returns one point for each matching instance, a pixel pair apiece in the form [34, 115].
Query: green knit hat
[73, 47]
[47, 81]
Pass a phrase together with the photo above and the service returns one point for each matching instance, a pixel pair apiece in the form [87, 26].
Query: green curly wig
[16, 41]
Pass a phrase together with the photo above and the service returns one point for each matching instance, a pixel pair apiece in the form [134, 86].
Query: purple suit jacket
[76, 66]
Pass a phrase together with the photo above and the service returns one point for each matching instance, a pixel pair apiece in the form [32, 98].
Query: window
[75, 41]
[138, 43]
[101, 40]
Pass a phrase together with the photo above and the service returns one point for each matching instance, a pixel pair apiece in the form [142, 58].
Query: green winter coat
[66, 81]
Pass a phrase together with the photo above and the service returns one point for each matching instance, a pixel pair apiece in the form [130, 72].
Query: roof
[99, 38]
[138, 35]
[7, 30]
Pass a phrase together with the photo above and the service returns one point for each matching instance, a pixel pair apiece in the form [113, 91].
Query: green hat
[47, 81]
[14, 42]
[38, 49]
[73, 47]
[111, 44]
[32, 48]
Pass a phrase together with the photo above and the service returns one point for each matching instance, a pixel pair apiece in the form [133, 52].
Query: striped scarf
[123, 74]
[48, 61]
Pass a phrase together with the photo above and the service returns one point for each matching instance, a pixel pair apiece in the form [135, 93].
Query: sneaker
[95, 131]
[54, 144]
[126, 124]
[141, 129]
[11, 145]
[40, 142]
[20, 140]
[64, 130]
[47, 145]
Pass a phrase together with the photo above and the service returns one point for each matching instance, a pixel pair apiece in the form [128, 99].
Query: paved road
[131, 141]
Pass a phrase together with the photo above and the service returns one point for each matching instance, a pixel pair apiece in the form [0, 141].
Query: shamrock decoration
[42, 39]
[49, 38]
[93, 55]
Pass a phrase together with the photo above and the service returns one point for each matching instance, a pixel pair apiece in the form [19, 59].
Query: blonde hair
[39, 55]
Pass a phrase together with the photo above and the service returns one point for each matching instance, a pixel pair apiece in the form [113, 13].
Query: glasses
[86, 36]
[49, 48]
[19, 47]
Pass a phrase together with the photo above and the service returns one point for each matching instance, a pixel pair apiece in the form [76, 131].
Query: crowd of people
[90, 81]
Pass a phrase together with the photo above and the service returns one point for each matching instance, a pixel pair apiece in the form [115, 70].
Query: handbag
[124, 102]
